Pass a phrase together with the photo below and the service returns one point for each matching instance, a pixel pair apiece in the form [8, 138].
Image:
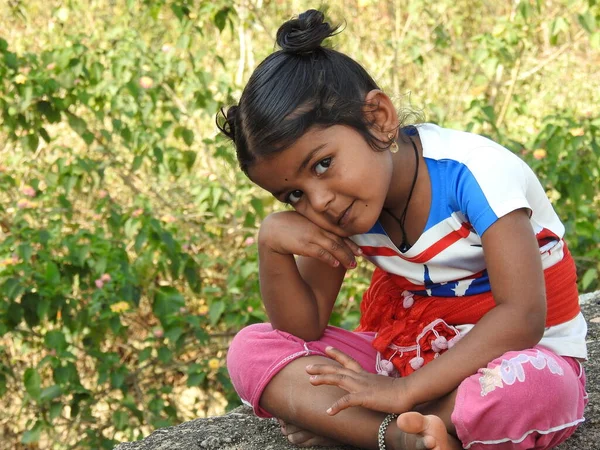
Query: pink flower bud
[158, 333]
[249, 241]
[28, 191]
[105, 278]
[146, 82]
[23, 204]
[99, 283]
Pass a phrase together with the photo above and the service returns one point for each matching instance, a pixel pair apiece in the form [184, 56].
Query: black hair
[303, 85]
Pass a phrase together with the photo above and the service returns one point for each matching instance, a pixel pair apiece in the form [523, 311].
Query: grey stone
[241, 430]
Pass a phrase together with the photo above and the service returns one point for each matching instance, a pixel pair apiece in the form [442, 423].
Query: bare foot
[424, 432]
[303, 438]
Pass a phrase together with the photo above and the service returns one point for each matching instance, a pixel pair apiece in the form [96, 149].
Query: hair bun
[226, 121]
[304, 34]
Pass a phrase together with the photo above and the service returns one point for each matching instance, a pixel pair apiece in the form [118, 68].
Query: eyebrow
[302, 166]
[308, 158]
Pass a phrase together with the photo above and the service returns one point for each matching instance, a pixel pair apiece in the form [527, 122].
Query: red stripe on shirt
[442, 244]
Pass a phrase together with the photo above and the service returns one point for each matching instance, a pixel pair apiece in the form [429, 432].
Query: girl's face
[332, 177]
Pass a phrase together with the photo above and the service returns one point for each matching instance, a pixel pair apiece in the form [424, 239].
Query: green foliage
[127, 253]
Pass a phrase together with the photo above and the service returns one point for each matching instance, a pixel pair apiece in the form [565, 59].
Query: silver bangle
[383, 428]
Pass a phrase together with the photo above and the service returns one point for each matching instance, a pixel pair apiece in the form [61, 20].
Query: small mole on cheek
[286, 179]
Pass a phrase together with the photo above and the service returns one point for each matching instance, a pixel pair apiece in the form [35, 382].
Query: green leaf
[145, 354]
[587, 21]
[258, 206]
[192, 276]
[31, 142]
[33, 383]
[14, 314]
[12, 288]
[167, 300]
[55, 410]
[30, 303]
[188, 136]
[52, 274]
[120, 419]
[50, 393]
[196, 379]
[189, 158]
[48, 110]
[117, 379]
[588, 277]
[33, 435]
[77, 124]
[55, 339]
[3, 387]
[220, 18]
[165, 355]
[216, 311]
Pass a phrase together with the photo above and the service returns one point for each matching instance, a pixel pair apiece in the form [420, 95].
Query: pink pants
[529, 399]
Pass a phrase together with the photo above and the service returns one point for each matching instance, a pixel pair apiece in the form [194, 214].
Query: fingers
[345, 402]
[356, 250]
[345, 360]
[332, 250]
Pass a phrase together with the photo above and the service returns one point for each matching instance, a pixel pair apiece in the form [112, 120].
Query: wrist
[268, 236]
[405, 398]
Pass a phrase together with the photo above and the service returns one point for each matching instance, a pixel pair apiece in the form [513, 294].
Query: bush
[127, 252]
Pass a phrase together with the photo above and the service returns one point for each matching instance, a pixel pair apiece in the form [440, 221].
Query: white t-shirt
[474, 181]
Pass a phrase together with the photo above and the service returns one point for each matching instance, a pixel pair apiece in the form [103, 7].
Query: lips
[343, 220]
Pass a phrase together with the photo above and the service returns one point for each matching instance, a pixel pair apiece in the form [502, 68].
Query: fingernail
[329, 347]
[353, 264]
[329, 411]
[336, 263]
[313, 377]
[360, 252]
[308, 367]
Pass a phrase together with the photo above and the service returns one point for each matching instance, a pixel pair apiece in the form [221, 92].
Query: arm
[517, 322]
[299, 294]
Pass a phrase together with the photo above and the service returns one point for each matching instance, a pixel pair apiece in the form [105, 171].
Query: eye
[294, 196]
[322, 166]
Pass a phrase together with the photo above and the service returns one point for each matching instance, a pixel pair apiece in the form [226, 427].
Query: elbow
[534, 327]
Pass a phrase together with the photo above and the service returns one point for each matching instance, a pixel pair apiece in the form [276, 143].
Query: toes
[411, 422]
[299, 437]
[429, 431]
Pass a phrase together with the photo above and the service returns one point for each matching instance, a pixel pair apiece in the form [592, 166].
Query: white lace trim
[522, 438]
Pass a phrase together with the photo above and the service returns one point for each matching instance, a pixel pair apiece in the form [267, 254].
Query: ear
[381, 113]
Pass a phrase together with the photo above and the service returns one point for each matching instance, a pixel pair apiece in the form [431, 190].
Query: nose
[321, 198]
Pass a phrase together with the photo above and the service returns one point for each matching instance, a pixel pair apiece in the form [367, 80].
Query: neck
[404, 166]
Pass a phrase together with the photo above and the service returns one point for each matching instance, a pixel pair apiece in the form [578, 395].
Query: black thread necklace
[404, 245]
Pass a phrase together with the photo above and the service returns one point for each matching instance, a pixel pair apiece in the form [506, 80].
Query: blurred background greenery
[127, 233]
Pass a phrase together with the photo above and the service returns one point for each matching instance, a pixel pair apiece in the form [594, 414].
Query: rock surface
[241, 430]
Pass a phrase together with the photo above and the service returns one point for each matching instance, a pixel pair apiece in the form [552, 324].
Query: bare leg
[290, 397]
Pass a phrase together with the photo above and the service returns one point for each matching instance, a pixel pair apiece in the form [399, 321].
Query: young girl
[471, 333]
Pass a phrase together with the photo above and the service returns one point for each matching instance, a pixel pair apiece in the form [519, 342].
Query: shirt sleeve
[491, 183]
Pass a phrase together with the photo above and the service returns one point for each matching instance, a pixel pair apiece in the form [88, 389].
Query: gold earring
[393, 144]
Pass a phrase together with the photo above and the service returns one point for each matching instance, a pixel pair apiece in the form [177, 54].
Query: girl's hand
[292, 234]
[376, 392]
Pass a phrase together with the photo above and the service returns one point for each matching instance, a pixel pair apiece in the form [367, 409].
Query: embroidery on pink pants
[511, 370]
